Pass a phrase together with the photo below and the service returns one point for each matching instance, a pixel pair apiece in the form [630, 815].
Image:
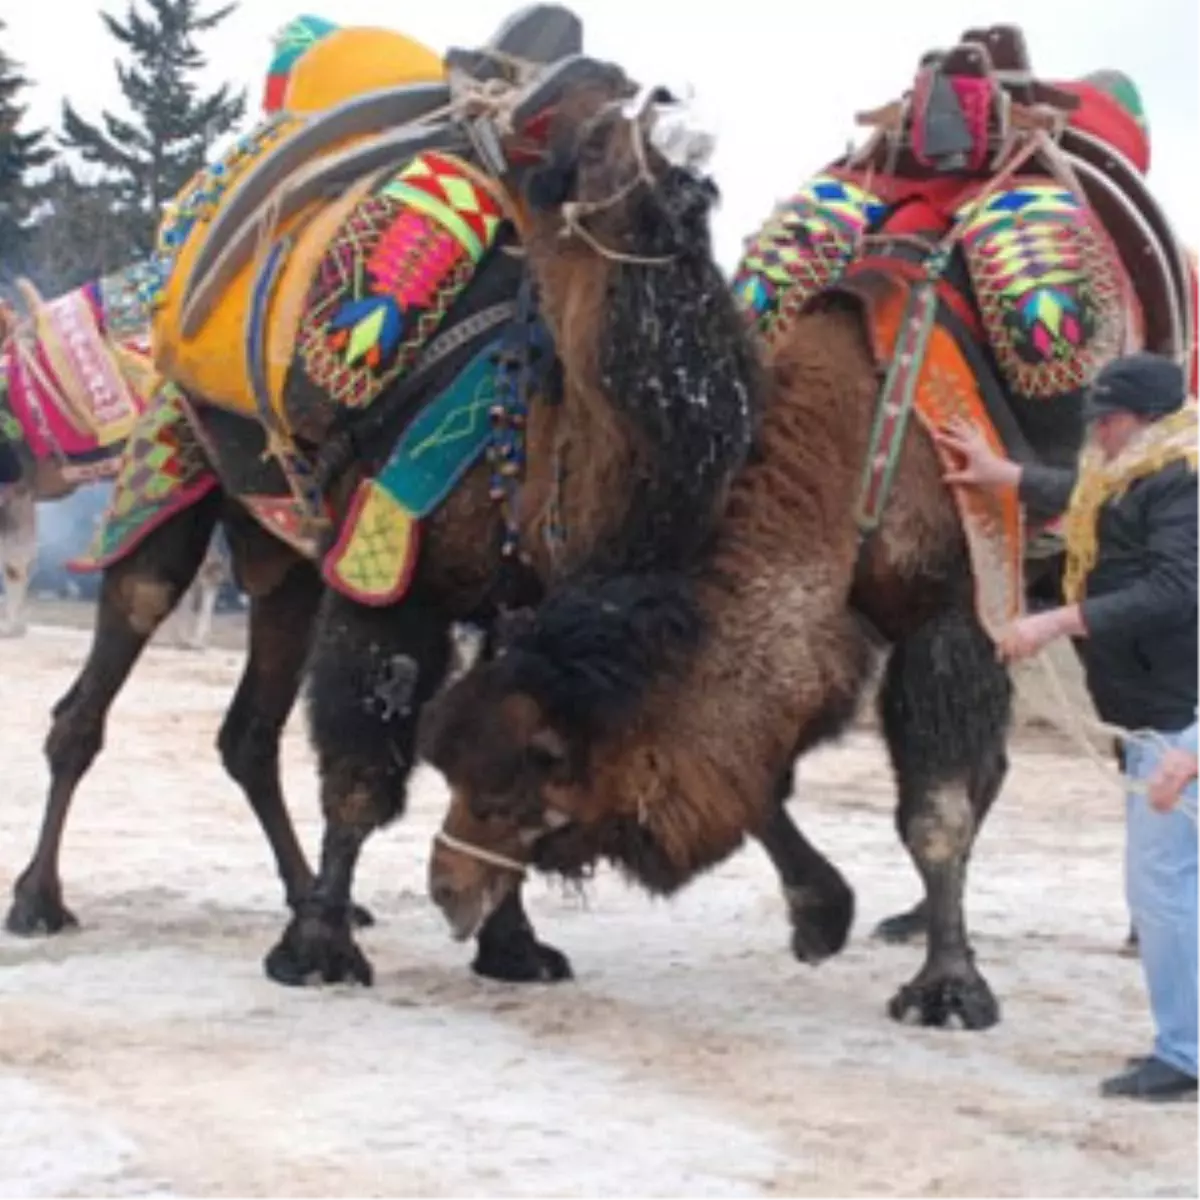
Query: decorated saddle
[313, 277]
[75, 373]
[1000, 236]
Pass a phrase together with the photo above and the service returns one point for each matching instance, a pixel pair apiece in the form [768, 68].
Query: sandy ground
[146, 1054]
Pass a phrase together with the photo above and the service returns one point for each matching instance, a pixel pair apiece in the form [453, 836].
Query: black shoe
[1151, 1079]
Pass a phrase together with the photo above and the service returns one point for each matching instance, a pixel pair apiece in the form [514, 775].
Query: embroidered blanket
[1047, 296]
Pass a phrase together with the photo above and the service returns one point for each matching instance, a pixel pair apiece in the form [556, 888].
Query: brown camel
[628, 441]
[655, 721]
[34, 467]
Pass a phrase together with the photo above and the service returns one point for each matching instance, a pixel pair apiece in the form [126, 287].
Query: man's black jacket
[1140, 600]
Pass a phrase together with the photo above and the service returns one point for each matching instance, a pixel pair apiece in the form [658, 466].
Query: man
[1130, 605]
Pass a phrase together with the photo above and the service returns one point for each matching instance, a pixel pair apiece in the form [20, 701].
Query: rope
[1081, 724]
[492, 857]
[572, 210]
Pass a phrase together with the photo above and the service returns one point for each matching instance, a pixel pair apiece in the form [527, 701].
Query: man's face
[1112, 432]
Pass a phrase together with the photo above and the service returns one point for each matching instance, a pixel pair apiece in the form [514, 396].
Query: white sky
[780, 79]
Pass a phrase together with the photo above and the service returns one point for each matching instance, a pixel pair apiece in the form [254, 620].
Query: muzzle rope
[492, 857]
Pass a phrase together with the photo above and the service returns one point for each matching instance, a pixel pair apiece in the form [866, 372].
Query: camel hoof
[902, 928]
[941, 996]
[38, 911]
[522, 959]
[821, 922]
[316, 950]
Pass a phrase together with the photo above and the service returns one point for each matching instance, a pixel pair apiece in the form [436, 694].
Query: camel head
[504, 776]
[599, 166]
[519, 738]
[662, 381]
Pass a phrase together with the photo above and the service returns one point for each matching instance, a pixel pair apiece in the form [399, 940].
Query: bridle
[470, 850]
[552, 820]
[574, 210]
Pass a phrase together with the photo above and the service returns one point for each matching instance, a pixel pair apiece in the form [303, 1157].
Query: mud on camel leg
[284, 591]
[137, 594]
[945, 707]
[1044, 584]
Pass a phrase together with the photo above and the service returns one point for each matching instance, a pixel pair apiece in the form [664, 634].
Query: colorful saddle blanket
[260, 305]
[316, 64]
[163, 470]
[76, 372]
[1044, 293]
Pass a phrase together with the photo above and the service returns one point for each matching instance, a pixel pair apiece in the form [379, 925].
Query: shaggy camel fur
[656, 722]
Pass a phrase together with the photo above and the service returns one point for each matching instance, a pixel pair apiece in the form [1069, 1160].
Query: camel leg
[820, 901]
[1043, 589]
[945, 707]
[285, 592]
[136, 595]
[371, 671]
[18, 552]
[904, 927]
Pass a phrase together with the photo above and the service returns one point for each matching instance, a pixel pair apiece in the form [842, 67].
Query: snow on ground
[146, 1053]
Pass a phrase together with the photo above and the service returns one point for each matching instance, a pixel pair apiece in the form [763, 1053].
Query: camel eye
[543, 758]
[546, 751]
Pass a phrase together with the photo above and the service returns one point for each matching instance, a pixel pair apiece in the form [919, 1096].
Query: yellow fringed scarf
[1172, 439]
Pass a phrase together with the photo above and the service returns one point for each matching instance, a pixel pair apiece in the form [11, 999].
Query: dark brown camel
[627, 463]
[781, 615]
[655, 721]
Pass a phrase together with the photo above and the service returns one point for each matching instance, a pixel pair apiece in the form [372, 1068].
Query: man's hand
[981, 465]
[1175, 770]
[1024, 638]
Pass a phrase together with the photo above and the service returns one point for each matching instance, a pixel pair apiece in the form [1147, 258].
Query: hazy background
[781, 80]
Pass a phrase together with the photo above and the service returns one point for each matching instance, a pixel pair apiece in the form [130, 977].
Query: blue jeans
[1160, 884]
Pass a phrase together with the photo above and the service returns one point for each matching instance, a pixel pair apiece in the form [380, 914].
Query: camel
[18, 554]
[655, 721]
[35, 465]
[597, 336]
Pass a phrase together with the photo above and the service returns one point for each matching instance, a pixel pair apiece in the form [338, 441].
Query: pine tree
[20, 153]
[152, 156]
[78, 235]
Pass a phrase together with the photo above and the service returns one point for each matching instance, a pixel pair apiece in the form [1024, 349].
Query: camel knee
[942, 828]
[249, 749]
[361, 796]
[76, 736]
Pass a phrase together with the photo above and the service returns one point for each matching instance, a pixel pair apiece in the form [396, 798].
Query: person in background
[1130, 605]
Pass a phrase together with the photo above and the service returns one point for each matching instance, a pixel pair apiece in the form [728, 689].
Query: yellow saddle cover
[213, 364]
